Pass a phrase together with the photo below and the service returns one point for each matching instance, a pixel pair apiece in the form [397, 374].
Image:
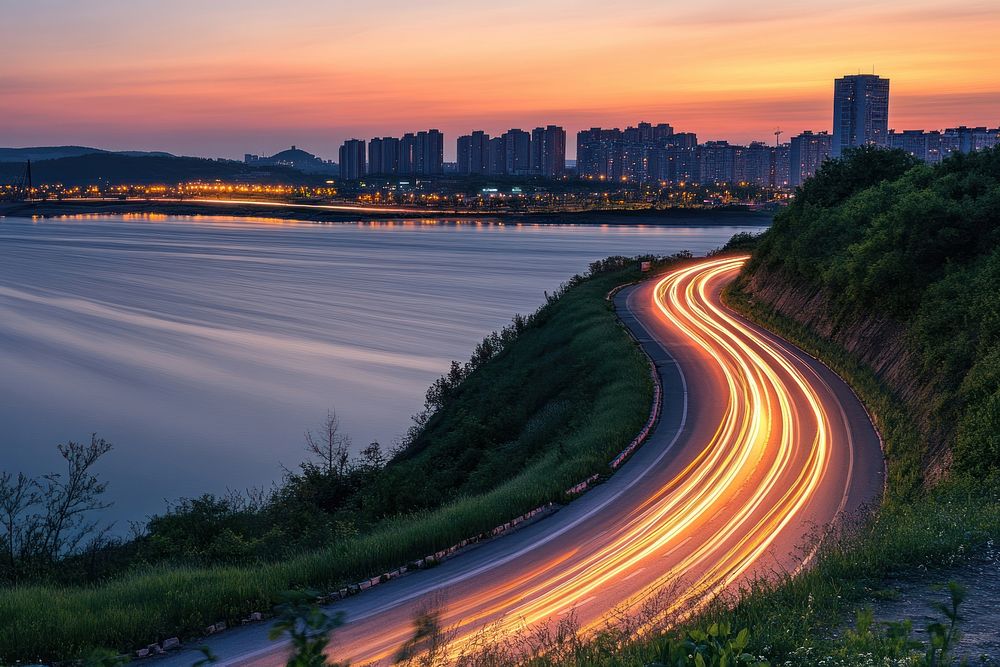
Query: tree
[46, 519]
[330, 446]
[372, 457]
[69, 499]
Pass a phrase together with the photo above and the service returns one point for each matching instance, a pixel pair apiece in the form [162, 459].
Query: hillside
[120, 169]
[899, 265]
[36, 153]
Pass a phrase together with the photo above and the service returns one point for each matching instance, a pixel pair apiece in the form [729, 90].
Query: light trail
[759, 462]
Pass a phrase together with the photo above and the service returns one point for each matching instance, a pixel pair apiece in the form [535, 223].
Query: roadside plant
[308, 627]
[48, 518]
[428, 637]
[943, 636]
[714, 646]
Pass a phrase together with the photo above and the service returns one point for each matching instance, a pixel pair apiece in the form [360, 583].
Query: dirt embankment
[876, 341]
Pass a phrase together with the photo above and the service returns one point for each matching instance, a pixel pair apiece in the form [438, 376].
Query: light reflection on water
[204, 347]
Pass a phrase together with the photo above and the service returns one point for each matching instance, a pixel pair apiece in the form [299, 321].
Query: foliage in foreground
[542, 405]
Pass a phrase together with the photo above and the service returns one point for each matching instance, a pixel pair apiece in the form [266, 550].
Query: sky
[220, 78]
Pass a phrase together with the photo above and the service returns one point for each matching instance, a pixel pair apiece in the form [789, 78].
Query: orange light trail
[768, 453]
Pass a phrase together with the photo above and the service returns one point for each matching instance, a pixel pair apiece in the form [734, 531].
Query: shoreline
[319, 213]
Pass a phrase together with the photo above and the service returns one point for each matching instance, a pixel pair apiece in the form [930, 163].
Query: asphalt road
[758, 449]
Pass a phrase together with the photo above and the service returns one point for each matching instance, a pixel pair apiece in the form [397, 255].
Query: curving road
[758, 445]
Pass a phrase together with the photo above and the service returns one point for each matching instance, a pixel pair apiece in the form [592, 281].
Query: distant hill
[293, 157]
[119, 169]
[36, 153]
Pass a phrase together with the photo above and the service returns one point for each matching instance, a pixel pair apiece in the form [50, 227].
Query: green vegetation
[308, 627]
[542, 404]
[915, 249]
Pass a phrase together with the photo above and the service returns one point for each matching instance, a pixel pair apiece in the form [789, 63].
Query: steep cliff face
[872, 340]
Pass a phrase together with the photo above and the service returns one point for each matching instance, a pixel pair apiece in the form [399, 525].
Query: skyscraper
[473, 152]
[806, 154]
[383, 156]
[517, 152]
[406, 148]
[433, 147]
[496, 160]
[428, 153]
[717, 162]
[754, 164]
[352, 159]
[548, 151]
[860, 112]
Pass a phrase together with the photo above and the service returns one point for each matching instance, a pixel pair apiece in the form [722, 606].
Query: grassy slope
[568, 394]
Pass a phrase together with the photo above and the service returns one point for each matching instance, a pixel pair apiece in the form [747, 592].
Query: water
[203, 348]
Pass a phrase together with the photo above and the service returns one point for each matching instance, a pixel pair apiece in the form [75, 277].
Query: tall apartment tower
[433, 152]
[383, 156]
[517, 152]
[473, 152]
[806, 154]
[860, 112]
[352, 160]
[548, 151]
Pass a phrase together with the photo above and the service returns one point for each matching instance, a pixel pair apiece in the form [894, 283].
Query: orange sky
[224, 77]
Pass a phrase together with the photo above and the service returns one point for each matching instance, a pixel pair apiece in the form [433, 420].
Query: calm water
[203, 348]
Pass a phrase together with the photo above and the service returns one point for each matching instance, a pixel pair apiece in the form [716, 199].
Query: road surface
[758, 445]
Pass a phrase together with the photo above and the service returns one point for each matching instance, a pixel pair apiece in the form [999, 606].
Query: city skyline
[232, 78]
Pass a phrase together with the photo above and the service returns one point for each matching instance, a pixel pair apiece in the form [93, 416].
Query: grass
[148, 604]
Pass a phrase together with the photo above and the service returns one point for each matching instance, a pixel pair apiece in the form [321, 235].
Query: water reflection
[204, 347]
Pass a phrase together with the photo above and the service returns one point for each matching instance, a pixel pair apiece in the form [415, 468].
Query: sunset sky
[225, 77]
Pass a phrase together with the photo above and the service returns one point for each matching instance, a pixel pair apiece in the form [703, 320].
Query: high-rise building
[428, 153]
[352, 159]
[806, 154]
[517, 152]
[643, 153]
[406, 145]
[384, 156]
[548, 151]
[683, 156]
[860, 112]
[662, 132]
[496, 157]
[375, 156]
[970, 139]
[463, 154]
[755, 164]
[597, 153]
[914, 142]
[717, 162]
[435, 152]
[473, 153]
[417, 154]
[934, 146]
[782, 166]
